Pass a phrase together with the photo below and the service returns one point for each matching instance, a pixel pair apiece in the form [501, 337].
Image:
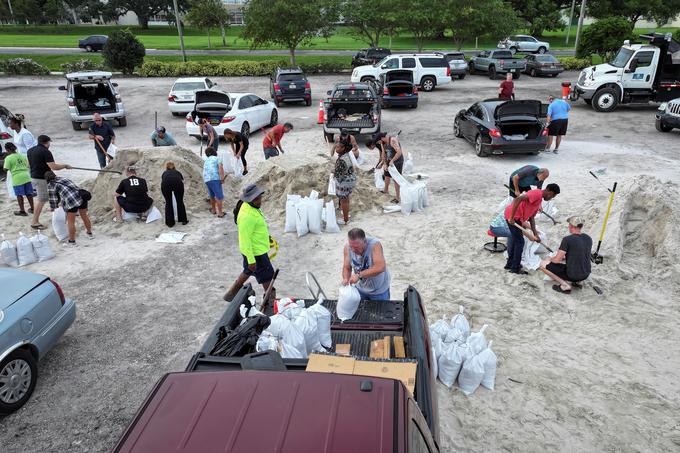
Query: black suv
[93, 43]
[289, 85]
[370, 56]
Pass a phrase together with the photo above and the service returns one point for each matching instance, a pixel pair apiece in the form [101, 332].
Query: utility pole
[571, 18]
[580, 23]
[11, 11]
[179, 31]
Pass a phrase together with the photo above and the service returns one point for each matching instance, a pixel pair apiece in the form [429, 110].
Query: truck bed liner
[360, 123]
[360, 340]
[369, 312]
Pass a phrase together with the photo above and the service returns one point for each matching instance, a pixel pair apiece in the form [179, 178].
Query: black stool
[495, 246]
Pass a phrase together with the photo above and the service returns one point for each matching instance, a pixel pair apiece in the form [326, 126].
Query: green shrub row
[230, 68]
[84, 64]
[575, 64]
[22, 66]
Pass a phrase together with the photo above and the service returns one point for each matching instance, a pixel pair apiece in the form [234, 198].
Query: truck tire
[471, 68]
[461, 76]
[513, 50]
[367, 79]
[492, 72]
[122, 122]
[428, 83]
[479, 149]
[21, 370]
[516, 75]
[542, 50]
[456, 128]
[662, 127]
[605, 100]
[76, 125]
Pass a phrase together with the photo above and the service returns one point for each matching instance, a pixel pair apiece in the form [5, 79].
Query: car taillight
[71, 103]
[228, 119]
[415, 90]
[386, 91]
[4, 136]
[172, 98]
[448, 71]
[277, 87]
[501, 62]
[495, 133]
[59, 291]
[307, 86]
[545, 132]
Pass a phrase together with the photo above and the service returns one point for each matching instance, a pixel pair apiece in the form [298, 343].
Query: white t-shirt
[24, 140]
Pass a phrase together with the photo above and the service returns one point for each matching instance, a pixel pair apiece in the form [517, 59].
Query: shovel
[529, 234]
[596, 257]
[99, 170]
[102, 148]
[268, 293]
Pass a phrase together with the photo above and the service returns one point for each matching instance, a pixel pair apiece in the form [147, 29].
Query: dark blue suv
[289, 85]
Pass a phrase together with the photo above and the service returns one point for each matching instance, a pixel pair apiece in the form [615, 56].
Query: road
[217, 52]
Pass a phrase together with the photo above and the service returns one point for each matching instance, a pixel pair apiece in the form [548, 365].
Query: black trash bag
[241, 340]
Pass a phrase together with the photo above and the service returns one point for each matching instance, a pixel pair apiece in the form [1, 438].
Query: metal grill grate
[363, 122]
[369, 312]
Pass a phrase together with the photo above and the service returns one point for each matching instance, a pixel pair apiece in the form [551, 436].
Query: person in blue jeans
[364, 266]
[499, 227]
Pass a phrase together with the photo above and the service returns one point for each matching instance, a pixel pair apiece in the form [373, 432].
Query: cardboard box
[404, 371]
[330, 364]
[343, 349]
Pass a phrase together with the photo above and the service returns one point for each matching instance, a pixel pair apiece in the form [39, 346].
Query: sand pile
[300, 175]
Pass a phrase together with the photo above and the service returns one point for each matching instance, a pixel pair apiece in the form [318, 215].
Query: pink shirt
[528, 207]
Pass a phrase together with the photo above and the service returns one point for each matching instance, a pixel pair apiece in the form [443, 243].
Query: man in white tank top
[364, 266]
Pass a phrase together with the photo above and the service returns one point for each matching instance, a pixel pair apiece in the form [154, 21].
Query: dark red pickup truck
[263, 403]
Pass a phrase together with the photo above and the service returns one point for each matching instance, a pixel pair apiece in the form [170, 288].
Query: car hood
[15, 284]
[518, 108]
[398, 75]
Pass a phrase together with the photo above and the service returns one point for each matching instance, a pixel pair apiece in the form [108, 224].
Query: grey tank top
[369, 285]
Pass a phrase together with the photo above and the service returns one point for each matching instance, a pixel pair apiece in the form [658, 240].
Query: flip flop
[38, 226]
[559, 289]
[221, 215]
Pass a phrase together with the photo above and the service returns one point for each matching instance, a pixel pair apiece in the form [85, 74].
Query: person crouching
[73, 199]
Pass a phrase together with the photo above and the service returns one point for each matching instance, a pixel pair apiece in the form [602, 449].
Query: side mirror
[463, 112]
[62, 88]
[114, 84]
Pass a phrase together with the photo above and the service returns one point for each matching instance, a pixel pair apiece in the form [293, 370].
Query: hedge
[229, 68]
[575, 64]
[22, 66]
[84, 64]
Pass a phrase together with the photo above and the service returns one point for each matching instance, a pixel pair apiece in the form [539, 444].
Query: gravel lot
[147, 311]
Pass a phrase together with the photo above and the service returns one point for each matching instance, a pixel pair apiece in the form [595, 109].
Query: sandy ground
[584, 372]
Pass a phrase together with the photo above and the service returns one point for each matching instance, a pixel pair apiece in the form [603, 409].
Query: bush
[84, 64]
[604, 37]
[229, 68]
[575, 64]
[123, 51]
[676, 35]
[23, 66]
[326, 68]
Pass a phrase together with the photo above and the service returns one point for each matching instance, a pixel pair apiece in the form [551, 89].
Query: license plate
[512, 70]
[214, 122]
[292, 85]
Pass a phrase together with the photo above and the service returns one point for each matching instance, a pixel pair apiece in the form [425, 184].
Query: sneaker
[69, 244]
[21, 213]
[519, 272]
[555, 151]
[89, 235]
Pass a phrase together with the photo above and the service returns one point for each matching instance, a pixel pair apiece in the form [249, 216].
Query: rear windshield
[547, 58]
[502, 54]
[378, 53]
[455, 56]
[290, 77]
[433, 62]
[188, 86]
[352, 94]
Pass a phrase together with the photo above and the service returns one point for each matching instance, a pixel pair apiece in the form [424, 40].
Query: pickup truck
[264, 403]
[354, 107]
[638, 74]
[497, 62]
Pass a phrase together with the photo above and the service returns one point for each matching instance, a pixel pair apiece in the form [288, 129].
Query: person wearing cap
[73, 199]
[272, 140]
[571, 263]
[523, 209]
[160, 137]
[524, 177]
[253, 241]
[101, 133]
[40, 161]
[132, 196]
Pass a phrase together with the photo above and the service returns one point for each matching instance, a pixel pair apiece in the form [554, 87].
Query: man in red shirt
[506, 91]
[272, 140]
[522, 209]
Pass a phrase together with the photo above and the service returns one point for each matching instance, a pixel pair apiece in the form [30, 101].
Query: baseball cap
[161, 129]
[251, 192]
[576, 221]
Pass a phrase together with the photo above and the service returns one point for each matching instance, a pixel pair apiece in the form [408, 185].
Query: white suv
[524, 43]
[429, 70]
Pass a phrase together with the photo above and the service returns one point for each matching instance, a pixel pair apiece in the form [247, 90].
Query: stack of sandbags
[414, 196]
[26, 251]
[309, 215]
[461, 356]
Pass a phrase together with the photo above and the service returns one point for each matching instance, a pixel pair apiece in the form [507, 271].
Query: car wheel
[122, 122]
[541, 50]
[479, 149]
[513, 50]
[662, 127]
[461, 76]
[516, 75]
[427, 84]
[76, 125]
[492, 72]
[605, 100]
[456, 128]
[308, 102]
[18, 375]
[245, 130]
[88, 48]
[414, 106]
[274, 118]
[533, 73]
[175, 113]
[367, 79]
[471, 68]
[554, 75]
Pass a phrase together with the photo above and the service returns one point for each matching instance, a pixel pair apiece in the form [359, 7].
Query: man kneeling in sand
[571, 264]
[132, 195]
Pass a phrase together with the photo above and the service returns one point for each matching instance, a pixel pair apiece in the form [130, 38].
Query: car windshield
[188, 86]
[290, 77]
[621, 58]
[380, 63]
[547, 58]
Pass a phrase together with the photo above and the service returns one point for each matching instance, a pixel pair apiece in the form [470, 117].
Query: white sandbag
[530, 259]
[301, 216]
[41, 247]
[450, 362]
[331, 185]
[348, 302]
[236, 166]
[406, 201]
[290, 341]
[397, 177]
[471, 374]
[439, 328]
[314, 208]
[25, 252]
[306, 322]
[154, 215]
[9, 253]
[323, 322]
[353, 158]
[460, 322]
[489, 359]
[504, 204]
[267, 342]
[314, 195]
[379, 181]
[477, 341]
[361, 159]
[407, 168]
[226, 157]
[291, 213]
[174, 207]
[331, 220]
[59, 224]
[247, 312]
[128, 216]
[112, 150]
[10, 186]
[288, 307]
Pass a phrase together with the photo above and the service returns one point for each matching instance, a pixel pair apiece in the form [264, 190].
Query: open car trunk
[399, 88]
[520, 130]
[212, 105]
[350, 114]
[94, 97]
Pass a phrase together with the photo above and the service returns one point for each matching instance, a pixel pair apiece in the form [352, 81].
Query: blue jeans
[101, 157]
[500, 232]
[515, 248]
[382, 296]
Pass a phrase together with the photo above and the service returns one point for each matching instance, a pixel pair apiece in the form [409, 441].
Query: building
[235, 7]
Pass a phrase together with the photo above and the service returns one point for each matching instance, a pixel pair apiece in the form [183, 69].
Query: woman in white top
[23, 139]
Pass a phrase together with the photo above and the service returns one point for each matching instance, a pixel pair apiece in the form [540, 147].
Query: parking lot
[595, 373]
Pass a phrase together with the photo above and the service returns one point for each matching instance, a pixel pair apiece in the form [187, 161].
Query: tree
[288, 23]
[369, 19]
[144, 9]
[468, 19]
[604, 37]
[38, 11]
[661, 11]
[123, 51]
[541, 14]
[423, 18]
[205, 14]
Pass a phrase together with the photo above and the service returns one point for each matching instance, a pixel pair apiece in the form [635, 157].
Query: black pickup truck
[355, 107]
[261, 402]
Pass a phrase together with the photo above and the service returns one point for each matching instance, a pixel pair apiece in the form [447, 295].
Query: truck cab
[639, 73]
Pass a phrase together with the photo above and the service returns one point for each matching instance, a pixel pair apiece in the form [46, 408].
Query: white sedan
[183, 91]
[248, 113]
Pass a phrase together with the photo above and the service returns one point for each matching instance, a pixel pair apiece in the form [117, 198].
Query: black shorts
[264, 271]
[133, 208]
[558, 127]
[560, 269]
[82, 206]
[399, 165]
